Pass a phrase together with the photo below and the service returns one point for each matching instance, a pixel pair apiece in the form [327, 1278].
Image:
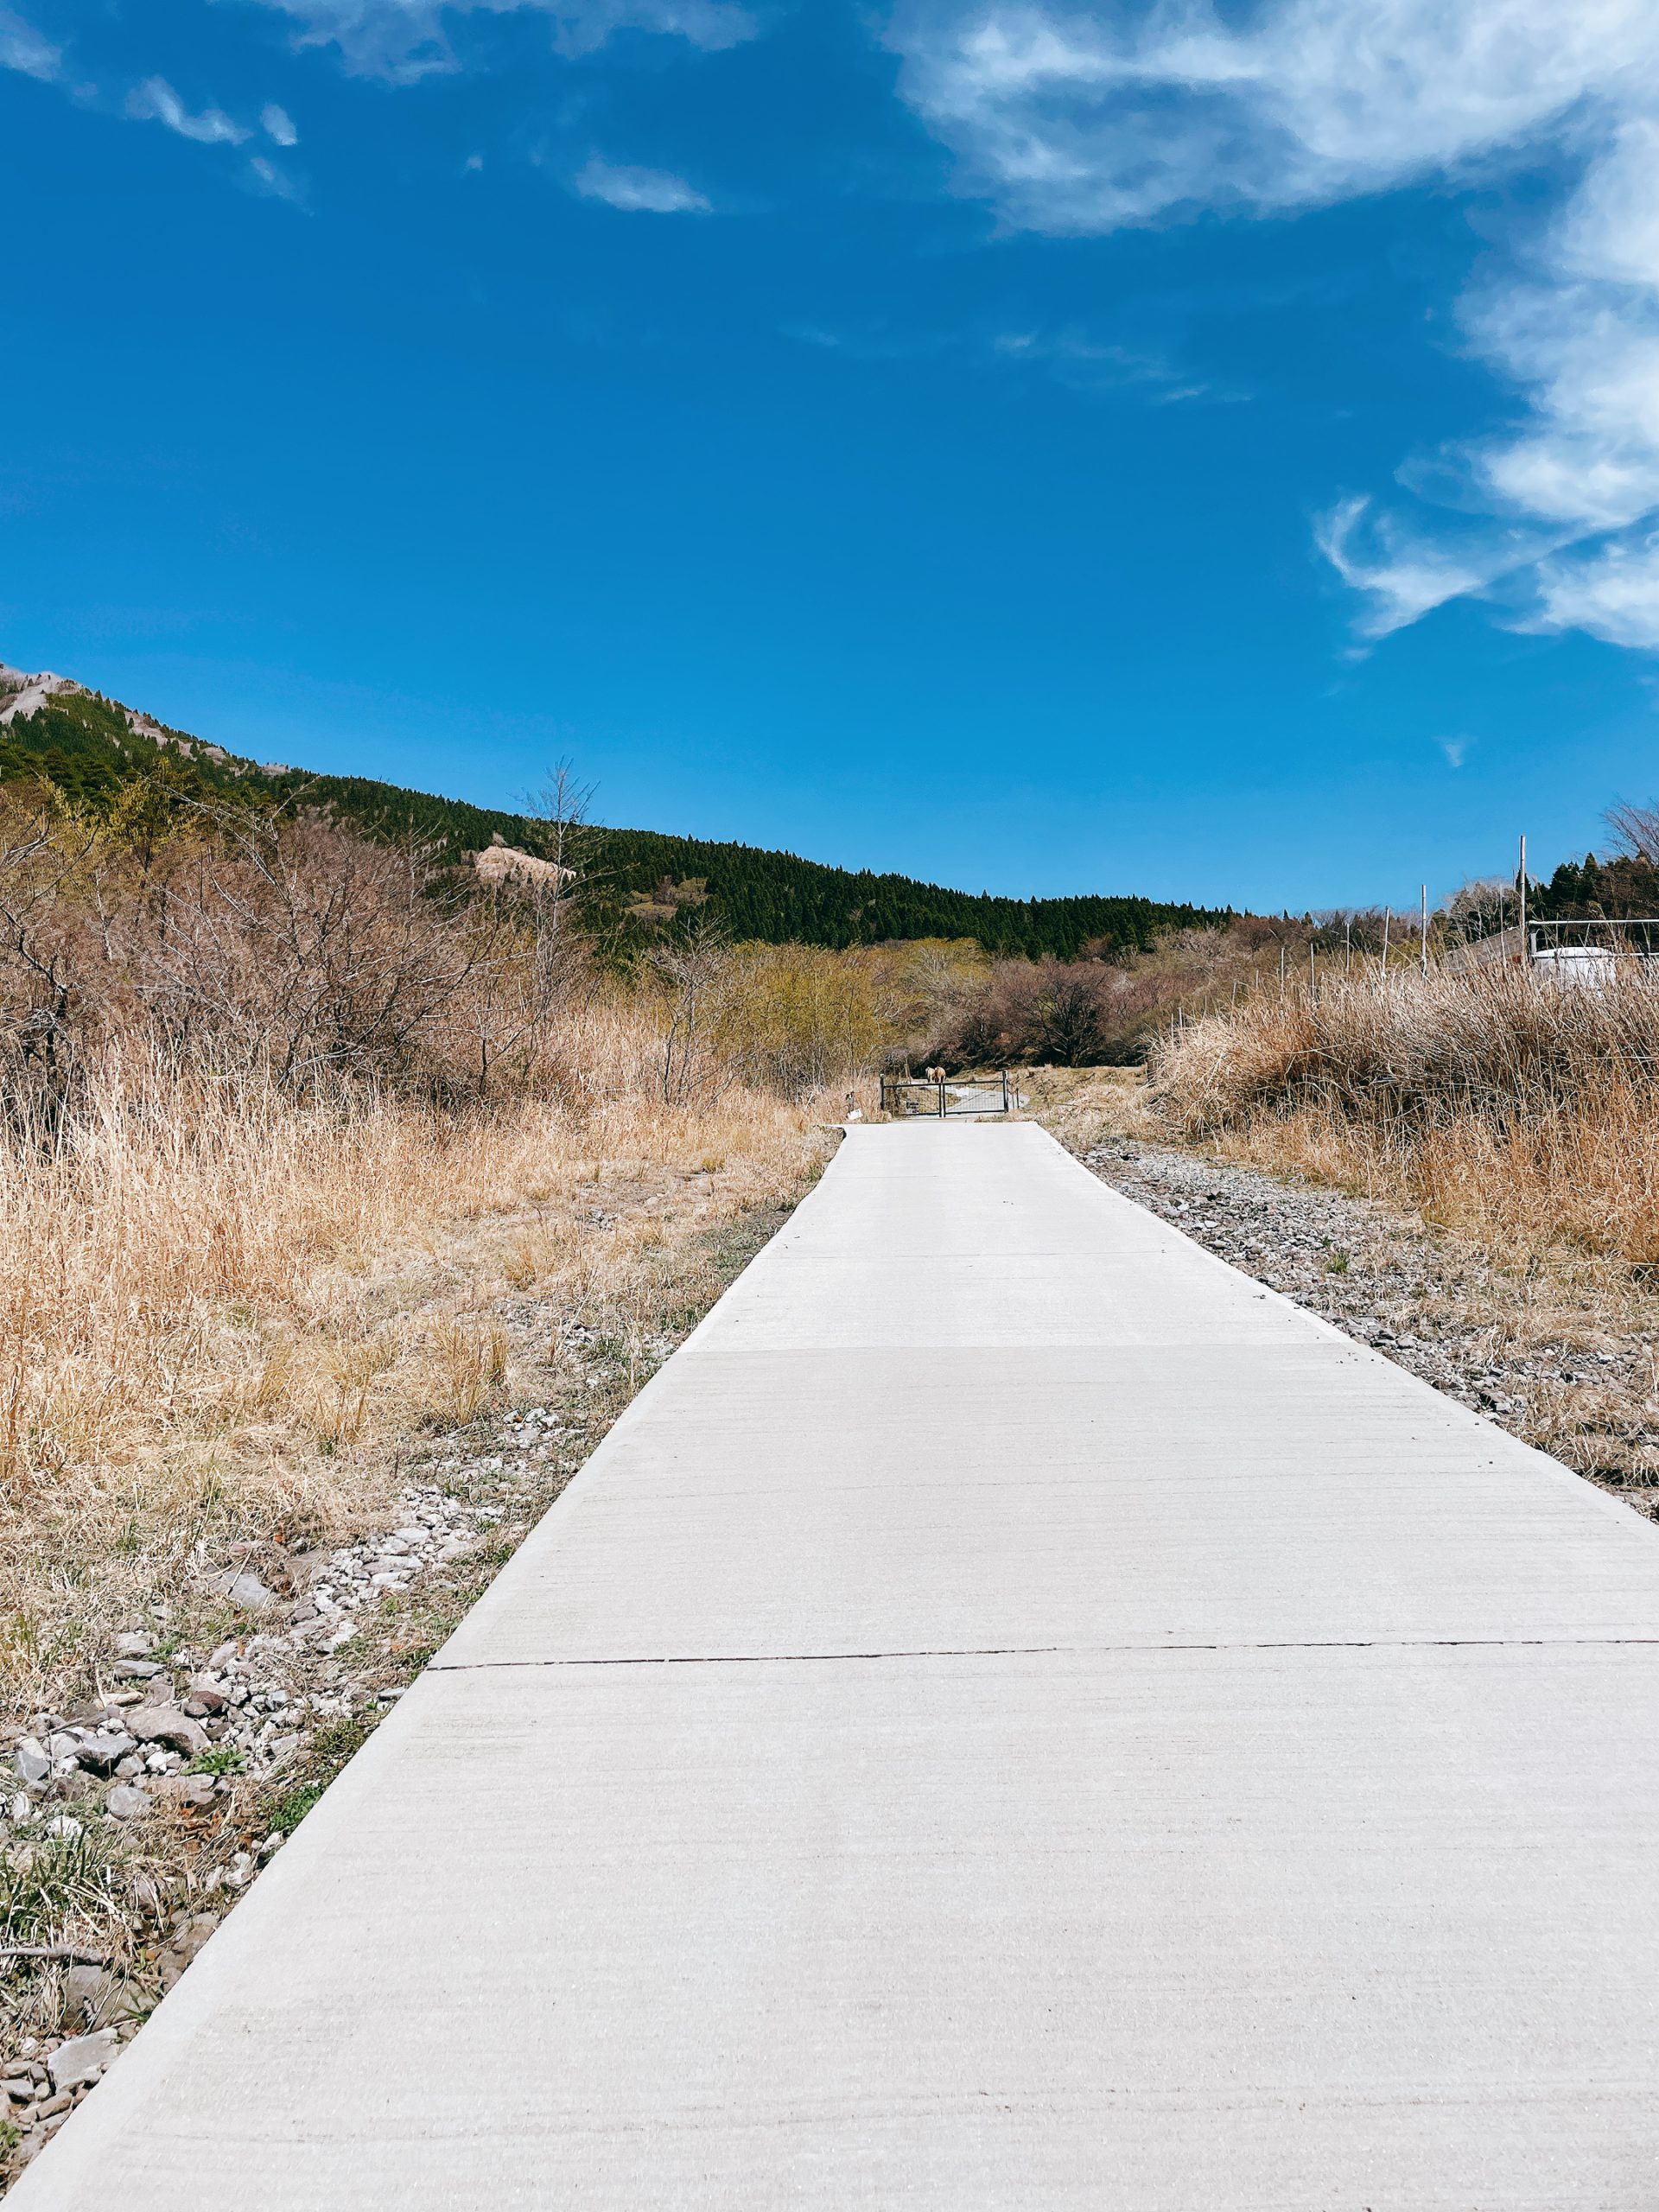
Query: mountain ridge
[643, 883]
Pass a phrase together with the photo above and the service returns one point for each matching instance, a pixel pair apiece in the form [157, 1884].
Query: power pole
[1425, 929]
[1388, 916]
[1521, 878]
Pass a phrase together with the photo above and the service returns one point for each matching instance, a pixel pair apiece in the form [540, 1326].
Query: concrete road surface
[1016, 1715]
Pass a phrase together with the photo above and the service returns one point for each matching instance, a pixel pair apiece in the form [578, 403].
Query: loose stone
[34, 1761]
[83, 2058]
[165, 1724]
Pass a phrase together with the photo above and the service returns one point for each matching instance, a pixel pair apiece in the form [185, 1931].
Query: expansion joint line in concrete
[1048, 1651]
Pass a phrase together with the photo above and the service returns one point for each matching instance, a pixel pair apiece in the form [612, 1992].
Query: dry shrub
[281, 1116]
[1103, 1009]
[1498, 1100]
[1054, 1011]
[252, 944]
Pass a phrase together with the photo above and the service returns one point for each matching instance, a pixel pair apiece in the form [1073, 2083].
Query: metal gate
[909, 1096]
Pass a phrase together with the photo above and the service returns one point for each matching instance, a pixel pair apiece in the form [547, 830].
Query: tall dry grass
[286, 1118]
[225, 1305]
[1497, 1101]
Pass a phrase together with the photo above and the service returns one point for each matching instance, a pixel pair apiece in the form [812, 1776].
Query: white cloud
[1612, 591]
[156, 101]
[1076, 119]
[1089, 116]
[403, 40]
[1404, 576]
[22, 48]
[1456, 749]
[653, 192]
[278, 125]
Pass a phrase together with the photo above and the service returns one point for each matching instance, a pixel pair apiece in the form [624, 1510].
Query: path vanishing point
[1015, 1715]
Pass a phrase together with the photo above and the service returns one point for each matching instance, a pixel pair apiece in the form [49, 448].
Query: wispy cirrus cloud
[1080, 119]
[265, 178]
[1084, 363]
[1403, 572]
[636, 191]
[23, 48]
[403, 40]
[156, 101]
[1069, 354]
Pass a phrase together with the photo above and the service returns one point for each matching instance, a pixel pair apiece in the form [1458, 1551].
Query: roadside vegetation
[1497, 1101]
[283, 1114]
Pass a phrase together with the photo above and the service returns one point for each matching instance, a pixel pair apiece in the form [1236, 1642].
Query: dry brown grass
[1514, 1108]
[224, 1304]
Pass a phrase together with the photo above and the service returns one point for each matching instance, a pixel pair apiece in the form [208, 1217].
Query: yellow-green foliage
[795, 1018]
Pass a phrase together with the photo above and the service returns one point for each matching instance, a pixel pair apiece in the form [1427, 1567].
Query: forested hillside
[640, 883]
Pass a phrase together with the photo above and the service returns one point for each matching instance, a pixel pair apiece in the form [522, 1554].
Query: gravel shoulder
[1559, 1349]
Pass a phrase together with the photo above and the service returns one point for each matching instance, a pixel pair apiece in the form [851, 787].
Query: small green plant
[1338, 1263]
[224, 1758]
[330, 1748]
[292, 1806]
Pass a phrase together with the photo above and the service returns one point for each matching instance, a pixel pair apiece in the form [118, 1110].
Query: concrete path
[1015, 1716]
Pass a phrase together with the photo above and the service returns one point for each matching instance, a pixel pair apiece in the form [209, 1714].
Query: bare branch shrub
[691, 973]
[295, 946]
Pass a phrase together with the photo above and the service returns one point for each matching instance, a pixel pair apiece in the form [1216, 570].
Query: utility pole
[1425, 929]
[1521, 879]
[1348, 945]
[1388, 916]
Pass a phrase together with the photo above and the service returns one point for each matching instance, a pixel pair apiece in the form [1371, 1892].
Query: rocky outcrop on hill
[25, 695]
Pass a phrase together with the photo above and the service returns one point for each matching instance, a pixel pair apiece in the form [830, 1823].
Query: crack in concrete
[1053, 1651]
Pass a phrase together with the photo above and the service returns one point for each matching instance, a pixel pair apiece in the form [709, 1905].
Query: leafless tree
[561, 806]
[527, 966]
[1636, 831]
[295, 944]
[695, 968]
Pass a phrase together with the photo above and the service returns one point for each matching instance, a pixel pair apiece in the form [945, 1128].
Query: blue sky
[1036, 447]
